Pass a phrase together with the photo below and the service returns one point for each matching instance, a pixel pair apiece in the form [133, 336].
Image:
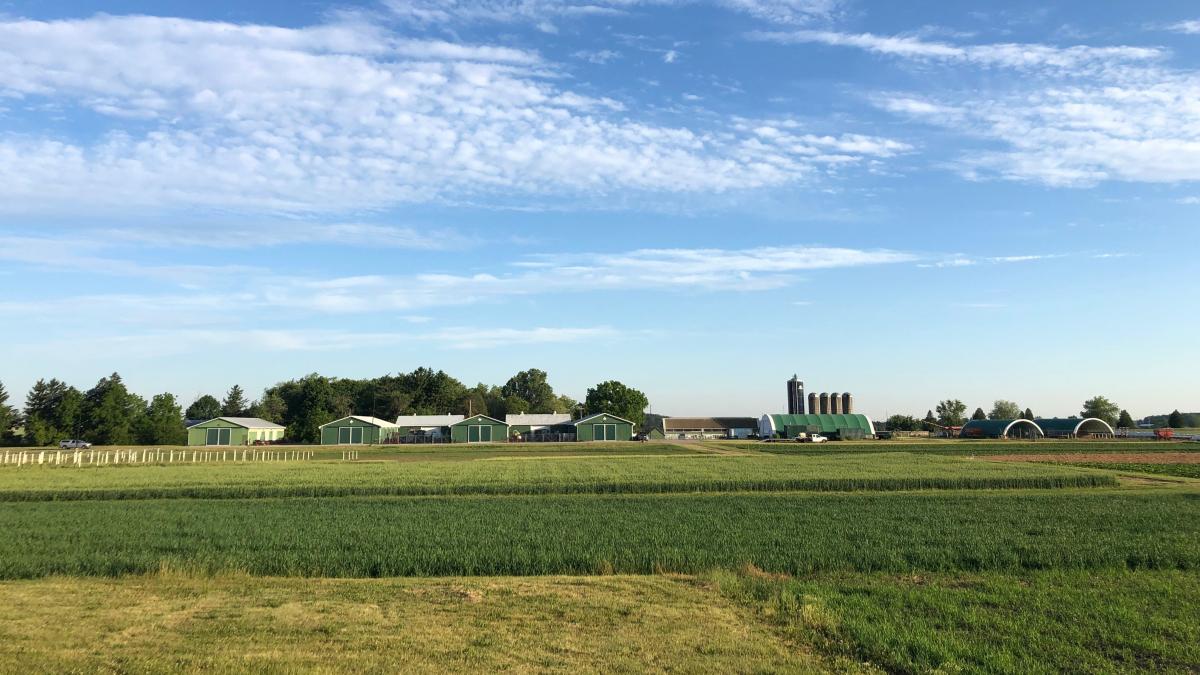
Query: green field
[1184, 470]
[870, 557]
[522, 475]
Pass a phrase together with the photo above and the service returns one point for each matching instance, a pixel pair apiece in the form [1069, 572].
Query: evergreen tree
[929, 420]
[617, 399]
[110, 412]
[1125, 421]
[1028, 414]
[1175, 419]
[8, 416]
[979, 414]
[204, 408]
[162, 423]
[53, 411]
[235, 403]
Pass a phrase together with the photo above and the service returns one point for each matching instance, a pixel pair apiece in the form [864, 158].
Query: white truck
[74, 444]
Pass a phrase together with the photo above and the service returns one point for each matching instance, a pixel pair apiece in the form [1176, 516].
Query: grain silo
[835, 403]
[847, 403]
[814, 404]
[824, 403]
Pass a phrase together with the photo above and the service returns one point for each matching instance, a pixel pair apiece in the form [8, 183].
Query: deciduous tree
[616, 398]
[204, 408]
[950, 412]
[1101, 408]
[1004, 410]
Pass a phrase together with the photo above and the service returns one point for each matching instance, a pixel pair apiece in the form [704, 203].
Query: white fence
[147, 456]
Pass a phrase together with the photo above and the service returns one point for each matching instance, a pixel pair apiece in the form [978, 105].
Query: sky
[700, 198]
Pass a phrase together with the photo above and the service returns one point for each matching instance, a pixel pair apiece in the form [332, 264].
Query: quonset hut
[841, 427]
[1056, 427]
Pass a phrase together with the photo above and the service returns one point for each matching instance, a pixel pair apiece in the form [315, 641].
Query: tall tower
[847, 403]
[795, 395]
[814, 404]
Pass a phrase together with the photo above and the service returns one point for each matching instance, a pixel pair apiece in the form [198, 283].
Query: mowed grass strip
[1038, 622]
[963, 447]
[174, 624]
[587, 534]
[592, 475]
[1182, 470]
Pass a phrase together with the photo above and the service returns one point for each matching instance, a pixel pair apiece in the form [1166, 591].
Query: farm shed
[1073, 427]
[541, 426]
[707, 427]
[479, 429]
[1019, 428]
[359, 430]
[603, 427]
[841, 426]
[234, 431]
[427, 426]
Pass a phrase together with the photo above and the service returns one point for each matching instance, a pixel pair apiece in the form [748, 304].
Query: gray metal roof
[708, 423]
[427, 420]
[252, 422]
[373, 421]
[538, 419]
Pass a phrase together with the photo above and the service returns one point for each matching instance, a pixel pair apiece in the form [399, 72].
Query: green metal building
[359, 430]
[479, 429]
[603, 427]
[840, 426]
[234, 431]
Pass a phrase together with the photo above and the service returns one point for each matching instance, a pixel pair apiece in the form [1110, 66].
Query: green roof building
[603, 427]
[841, 426]
[479, 429]
[359, 430]
[234, 431]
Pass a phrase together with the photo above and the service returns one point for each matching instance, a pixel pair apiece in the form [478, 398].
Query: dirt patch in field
[1107, 457]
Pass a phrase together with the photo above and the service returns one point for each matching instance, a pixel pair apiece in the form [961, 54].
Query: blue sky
[908, 201]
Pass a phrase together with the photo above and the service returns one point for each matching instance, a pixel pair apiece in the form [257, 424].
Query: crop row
[793, 533]
[697, 473]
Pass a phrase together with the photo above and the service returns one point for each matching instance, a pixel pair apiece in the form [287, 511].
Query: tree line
[108, 414]
[953, 413]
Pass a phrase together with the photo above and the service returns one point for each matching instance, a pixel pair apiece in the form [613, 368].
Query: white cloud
[670, 56]
[1191, 27]
[337, 117]
[538, 12]
[600, 57]
[1007, 55]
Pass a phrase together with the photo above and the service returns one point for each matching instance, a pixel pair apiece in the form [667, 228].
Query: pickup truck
[74, 444]
[813, 438]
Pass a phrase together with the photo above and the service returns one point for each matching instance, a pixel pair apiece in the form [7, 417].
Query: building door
[350, 435]
[604, 432]
[479, 433]
[217, 437]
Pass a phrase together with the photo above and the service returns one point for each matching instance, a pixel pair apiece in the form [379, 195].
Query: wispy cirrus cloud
[1089, 114]
[1190, 27]
[541, 12]
[1021, 56]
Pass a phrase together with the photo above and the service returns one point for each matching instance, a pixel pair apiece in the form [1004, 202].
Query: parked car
[74, 444]
[813, 438]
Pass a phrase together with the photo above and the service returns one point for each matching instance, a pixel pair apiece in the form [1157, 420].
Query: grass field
[520, 475]
[829, 559]
[1184, 470]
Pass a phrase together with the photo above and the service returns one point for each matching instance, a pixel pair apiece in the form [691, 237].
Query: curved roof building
[1056, 427]
[771, 426]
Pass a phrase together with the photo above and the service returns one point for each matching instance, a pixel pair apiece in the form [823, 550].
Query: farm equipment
[1164, 434]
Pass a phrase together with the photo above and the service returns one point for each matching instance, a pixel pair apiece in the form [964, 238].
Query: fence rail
[82, 458]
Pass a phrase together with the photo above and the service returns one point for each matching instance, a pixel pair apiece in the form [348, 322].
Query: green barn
[479, 429]
[234, 431]
[603, 427]
[359, 430]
